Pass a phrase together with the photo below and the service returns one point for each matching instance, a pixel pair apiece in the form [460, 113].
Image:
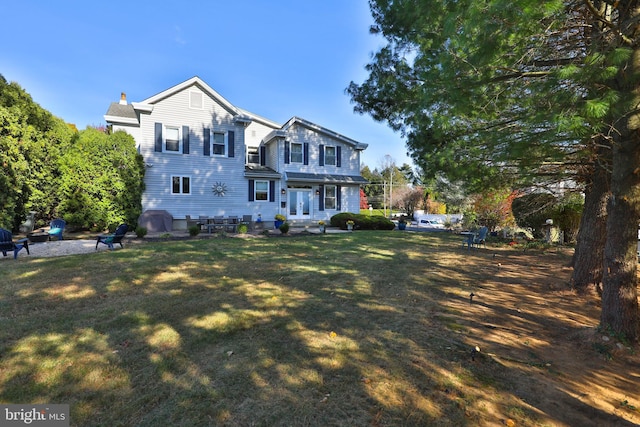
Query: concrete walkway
[71, 246]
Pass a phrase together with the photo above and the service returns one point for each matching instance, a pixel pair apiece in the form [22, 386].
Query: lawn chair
[56, 228]
[193, 222]
[218, 223]
[203, 220]
[110, 239]
[248, 220]
[232, 224]
[476, 239]
[480, 238]
[7, 244]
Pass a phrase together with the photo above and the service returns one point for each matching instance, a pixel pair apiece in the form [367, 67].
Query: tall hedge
[31, 140]
[102, 181]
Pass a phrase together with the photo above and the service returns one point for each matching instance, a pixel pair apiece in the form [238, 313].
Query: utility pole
[384, 197]
[390, 167]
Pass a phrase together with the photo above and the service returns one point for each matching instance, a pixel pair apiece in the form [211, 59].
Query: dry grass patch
[364, 328]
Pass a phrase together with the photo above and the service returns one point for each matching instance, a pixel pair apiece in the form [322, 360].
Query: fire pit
[38, 236]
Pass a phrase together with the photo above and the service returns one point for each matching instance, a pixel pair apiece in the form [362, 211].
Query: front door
[299, 203]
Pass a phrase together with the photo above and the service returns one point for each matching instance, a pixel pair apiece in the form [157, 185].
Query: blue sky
[275, 58]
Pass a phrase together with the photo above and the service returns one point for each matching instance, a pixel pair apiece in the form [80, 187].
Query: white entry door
[299, 203]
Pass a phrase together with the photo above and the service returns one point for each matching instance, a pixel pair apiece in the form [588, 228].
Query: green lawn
[359, 329]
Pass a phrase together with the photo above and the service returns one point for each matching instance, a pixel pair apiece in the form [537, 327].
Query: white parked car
[431, 223]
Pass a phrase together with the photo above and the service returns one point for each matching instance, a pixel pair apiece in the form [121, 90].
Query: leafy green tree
[14, 190]
[452, 193]
[43, 156]
[102, 181]
[410, 176]
[519, 94]
[31, 140]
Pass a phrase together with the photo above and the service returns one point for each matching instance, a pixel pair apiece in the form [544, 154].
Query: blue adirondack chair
[7, 244]
[56, 228]
[481, 237]
[110, 239]
[477, 239]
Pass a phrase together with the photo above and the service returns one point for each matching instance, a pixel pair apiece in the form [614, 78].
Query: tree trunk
[619, 293]
[588, 257]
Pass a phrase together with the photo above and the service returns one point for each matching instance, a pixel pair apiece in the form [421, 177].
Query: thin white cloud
[178, 38]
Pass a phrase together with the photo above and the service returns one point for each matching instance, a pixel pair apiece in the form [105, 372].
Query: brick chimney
[123, 98]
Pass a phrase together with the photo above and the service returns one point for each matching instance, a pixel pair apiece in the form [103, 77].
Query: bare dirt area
[543, 338]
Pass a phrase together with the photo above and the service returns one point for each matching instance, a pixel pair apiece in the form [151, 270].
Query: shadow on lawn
[329, 330]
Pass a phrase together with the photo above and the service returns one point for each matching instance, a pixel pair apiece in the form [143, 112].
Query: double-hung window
[180, 184]
[262, 190]
[218, 144]
[296, 153]
[330, 155]
[253, 155]
[172, 139]
[330, 193]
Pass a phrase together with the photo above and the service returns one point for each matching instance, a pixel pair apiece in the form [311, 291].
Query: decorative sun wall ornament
[219, 189]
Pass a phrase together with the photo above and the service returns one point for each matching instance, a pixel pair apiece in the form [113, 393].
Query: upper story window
[330, 156]
[296, 153]
[172, 139]
[261, 190]
[253, 155]
[181, 185]
[218, 144]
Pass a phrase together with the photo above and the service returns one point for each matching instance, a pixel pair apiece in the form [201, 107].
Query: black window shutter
[321, 154]
[287, 150]
[272, 191]
[306, 153]
[158, 137]
[231, 143]
[207, 142]
[339, 156]
[263, 153]
[321, 200]
[185, 139]
[339, 197]
[252, 185]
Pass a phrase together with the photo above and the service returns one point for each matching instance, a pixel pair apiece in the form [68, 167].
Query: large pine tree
[523, 92]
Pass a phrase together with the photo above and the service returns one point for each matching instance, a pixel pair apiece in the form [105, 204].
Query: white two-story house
[207, 157]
